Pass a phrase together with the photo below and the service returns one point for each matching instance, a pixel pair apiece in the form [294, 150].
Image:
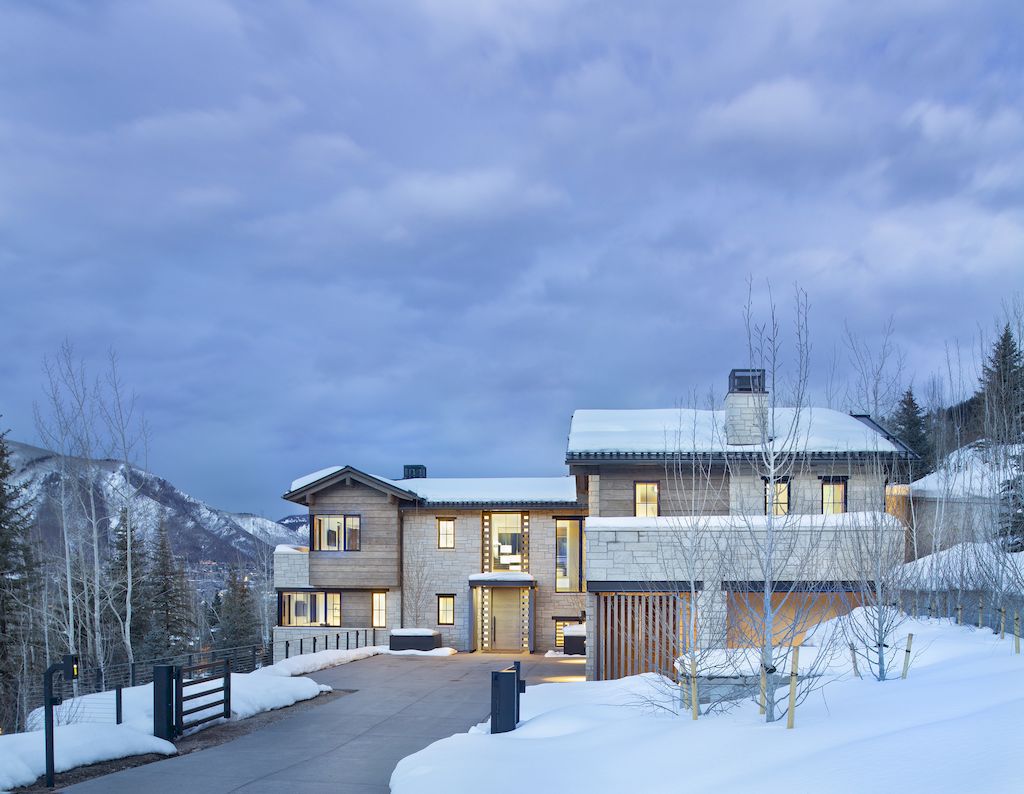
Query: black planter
[574, 646]
[415, 642]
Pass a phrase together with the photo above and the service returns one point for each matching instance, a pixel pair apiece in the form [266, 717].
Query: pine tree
[1011, 508]
[908, 423]
[16, 576]
[118, 577]
[171, 626]
[239, 620]
[1002, 387]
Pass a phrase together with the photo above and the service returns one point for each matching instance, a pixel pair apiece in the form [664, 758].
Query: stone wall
[291, 569]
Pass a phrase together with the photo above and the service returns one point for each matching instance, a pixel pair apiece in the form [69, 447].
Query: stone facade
[745, 417]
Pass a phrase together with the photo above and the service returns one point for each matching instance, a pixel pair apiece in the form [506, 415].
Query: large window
[335, 533]
[645, 499]
[569, 555]
[446, 533]
[506, 541]
[833, 495]
[380, 610]
[310, 609]
[446, 610]
[776, 497]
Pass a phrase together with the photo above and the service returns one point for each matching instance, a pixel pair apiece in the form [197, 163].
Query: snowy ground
[80, 741]
[955, 724]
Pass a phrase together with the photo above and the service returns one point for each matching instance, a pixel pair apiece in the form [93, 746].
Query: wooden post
[1016, 632]
[906, 655]
[792, 687]
[1002, 622]
[694, 703]
[764, 690]
[853, 658]
[981, 611]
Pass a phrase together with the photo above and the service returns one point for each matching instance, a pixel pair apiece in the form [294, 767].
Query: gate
[184, 682]
[640, 633]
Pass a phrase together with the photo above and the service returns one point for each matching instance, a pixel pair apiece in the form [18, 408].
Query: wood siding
[376, 564]
[681, 494]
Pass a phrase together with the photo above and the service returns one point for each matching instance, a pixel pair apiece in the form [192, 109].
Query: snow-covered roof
[496, 490]
[813, 521]
[466, 490]
[502, 576]
[575, 630]
[660, 430]
[287, 548]
[972, 471]
[308, 479]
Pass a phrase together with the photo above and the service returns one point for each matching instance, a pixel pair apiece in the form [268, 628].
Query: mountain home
[504, 564]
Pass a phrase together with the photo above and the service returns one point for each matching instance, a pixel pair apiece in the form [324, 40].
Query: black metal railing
[345, 640]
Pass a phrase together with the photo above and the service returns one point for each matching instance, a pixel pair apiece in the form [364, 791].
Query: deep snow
[954, 725]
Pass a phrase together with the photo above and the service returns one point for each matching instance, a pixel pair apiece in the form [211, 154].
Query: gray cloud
[428, 231]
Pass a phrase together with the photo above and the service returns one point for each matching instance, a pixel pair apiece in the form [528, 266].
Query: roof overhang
[348, 475]
[598, 457]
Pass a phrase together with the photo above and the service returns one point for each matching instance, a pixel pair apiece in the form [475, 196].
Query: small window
[776, 499]
[833, 495]
[645, 499]
[446, 533]
[380, 610]
[446, 610]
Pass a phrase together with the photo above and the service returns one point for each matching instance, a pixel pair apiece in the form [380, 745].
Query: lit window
[645, 499]
[506, 541]
[316, 608]
[776, 497]
[446, 610]
[335, 533]
[833, 496]
[380, 610]
[446, 533]
[568, 555]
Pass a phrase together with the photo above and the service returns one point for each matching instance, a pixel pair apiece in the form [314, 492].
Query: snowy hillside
[198, 531]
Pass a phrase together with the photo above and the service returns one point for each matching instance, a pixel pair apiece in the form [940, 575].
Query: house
[504, 564]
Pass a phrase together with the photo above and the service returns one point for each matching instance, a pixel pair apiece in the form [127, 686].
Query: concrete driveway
[349, 744]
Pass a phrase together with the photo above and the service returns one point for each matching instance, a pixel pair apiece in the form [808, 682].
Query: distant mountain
[299, 524]
[198, 531]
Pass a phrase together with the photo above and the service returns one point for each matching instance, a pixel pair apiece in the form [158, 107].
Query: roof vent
[747, 381]
[414, 471]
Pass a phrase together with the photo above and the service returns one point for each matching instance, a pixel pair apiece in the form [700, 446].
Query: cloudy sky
[390, 232]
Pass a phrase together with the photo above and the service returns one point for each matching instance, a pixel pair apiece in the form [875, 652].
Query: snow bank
[23, 760]
[964, 566]
[321, 660]
[960, 704]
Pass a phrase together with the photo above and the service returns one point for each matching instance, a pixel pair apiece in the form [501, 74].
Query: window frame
[840, 480]
[343, 531]
[581, 584]
[496, 565]
[310, 594]
[441, 596]
[789, 494]
[657, 497]
[440, 519]
[373, 609]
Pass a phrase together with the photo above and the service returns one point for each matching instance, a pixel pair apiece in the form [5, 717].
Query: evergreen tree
[16, 574]
[1011, 508]
[118, 576]
[239, 620]
[908, 423]
[213, 610]
[171, 626]
[1002, 387]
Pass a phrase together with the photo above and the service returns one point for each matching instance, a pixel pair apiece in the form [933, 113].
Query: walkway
[350, 744]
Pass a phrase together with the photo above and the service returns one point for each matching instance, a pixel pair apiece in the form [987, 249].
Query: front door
[506, 619]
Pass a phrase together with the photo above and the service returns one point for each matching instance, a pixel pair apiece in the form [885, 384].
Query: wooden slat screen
[640, 633]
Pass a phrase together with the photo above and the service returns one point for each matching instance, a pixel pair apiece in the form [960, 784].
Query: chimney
[745, 406]
[414, 471]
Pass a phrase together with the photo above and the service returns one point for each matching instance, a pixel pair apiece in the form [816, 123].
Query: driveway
[349, 744]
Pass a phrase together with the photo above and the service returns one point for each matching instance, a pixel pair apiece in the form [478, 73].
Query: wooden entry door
[506, 619]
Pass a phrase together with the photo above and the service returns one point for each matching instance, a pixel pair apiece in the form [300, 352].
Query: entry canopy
[502, 579]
